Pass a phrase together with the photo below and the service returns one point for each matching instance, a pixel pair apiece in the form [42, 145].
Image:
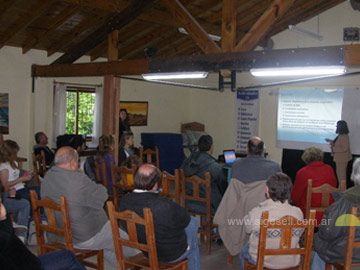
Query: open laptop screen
[229, 156]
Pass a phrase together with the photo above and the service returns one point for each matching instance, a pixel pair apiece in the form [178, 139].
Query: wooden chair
[139, 260]
[42, 248]
[123, 183]
[287, 225]
[167, 179]
[39, 166]
[147, 156]
[326, 191]
[206, 219]
[100, 170]
[350, 245]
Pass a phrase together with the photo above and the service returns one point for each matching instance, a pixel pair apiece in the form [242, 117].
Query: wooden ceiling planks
[22, 25]
[60, 19]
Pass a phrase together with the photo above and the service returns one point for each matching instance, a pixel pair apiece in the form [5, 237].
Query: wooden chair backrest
[148, 156]
[100, 170]
[132, 219]
[50, 207]
[123, 183]
[167, 179]
[39, 166]
[286, 224]
[351, 243]
[326, 191]
[196, 181]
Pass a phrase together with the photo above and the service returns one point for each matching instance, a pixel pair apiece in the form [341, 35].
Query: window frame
[77, 90]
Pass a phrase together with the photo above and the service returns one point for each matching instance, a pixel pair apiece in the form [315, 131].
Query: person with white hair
[330, 241]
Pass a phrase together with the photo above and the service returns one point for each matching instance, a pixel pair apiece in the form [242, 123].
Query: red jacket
[320, 174]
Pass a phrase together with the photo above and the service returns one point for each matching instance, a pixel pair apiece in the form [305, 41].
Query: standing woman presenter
[340, 149]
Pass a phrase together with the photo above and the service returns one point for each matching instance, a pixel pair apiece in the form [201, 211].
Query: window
[80, 106]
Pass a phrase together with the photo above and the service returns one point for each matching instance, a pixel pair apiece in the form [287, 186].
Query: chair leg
[208, 238]
[230, 258]
[100, 260]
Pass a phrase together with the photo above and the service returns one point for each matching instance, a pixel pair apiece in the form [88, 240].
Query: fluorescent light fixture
[305, 32]
[213, 37]
[174, 76]
[298, 71]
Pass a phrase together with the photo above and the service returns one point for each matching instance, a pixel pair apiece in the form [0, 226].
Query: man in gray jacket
[254, 167]
[89, 223]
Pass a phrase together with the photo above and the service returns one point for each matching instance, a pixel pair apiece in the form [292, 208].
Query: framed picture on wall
[4, 113]
[137, 111]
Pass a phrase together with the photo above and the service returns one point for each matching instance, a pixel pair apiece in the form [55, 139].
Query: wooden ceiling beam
[57, 21]
[25, 20]
[5, 5]
[242, 61]
[130, 67]
[112, 44]
[117, 22]
[98, 51]
[262, 26]
[228, 26]
[194, 29]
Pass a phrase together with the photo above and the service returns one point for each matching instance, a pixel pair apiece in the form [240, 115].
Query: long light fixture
[213, 37]
[298, 71]
[174, 76]
[305, 32]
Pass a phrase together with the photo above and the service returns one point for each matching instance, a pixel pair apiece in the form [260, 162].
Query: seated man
[201, 162]
[41, 145]
[254, 167]
[89, 223]
[330, 241]
[278, 190]
[175, 231]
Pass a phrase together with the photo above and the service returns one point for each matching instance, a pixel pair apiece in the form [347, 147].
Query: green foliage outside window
[85, 112]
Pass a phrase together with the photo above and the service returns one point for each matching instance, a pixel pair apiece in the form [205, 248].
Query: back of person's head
[312, 154]
[132, 160]
[205, 142]
[146, 176]
[124, 137]
[77, 141]
[255, 146]
[8, 151]
[280, 186]
[38, 136]
[355, 175]
[342, 127]
[65, 155]
[106, 144]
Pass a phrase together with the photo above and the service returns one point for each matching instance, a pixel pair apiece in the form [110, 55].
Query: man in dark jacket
[175, 231]
[41, 145]
[330, 241]
[201, 162]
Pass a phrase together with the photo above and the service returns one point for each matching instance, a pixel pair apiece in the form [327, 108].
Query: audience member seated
[320, 174]
[41, 145]
[175, 231]
[278, 191]
[105, 150]
[131, 161]
[200, 162]
[15, 255]
[89, 223]
[78, 143]
[330, 241]
[10, 173]
[254, 167]
[125, 146]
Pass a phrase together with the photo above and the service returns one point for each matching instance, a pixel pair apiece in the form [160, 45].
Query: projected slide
[308, 115]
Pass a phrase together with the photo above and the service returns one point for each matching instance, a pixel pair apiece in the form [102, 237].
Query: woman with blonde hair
[320, 174]
[105, 153]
